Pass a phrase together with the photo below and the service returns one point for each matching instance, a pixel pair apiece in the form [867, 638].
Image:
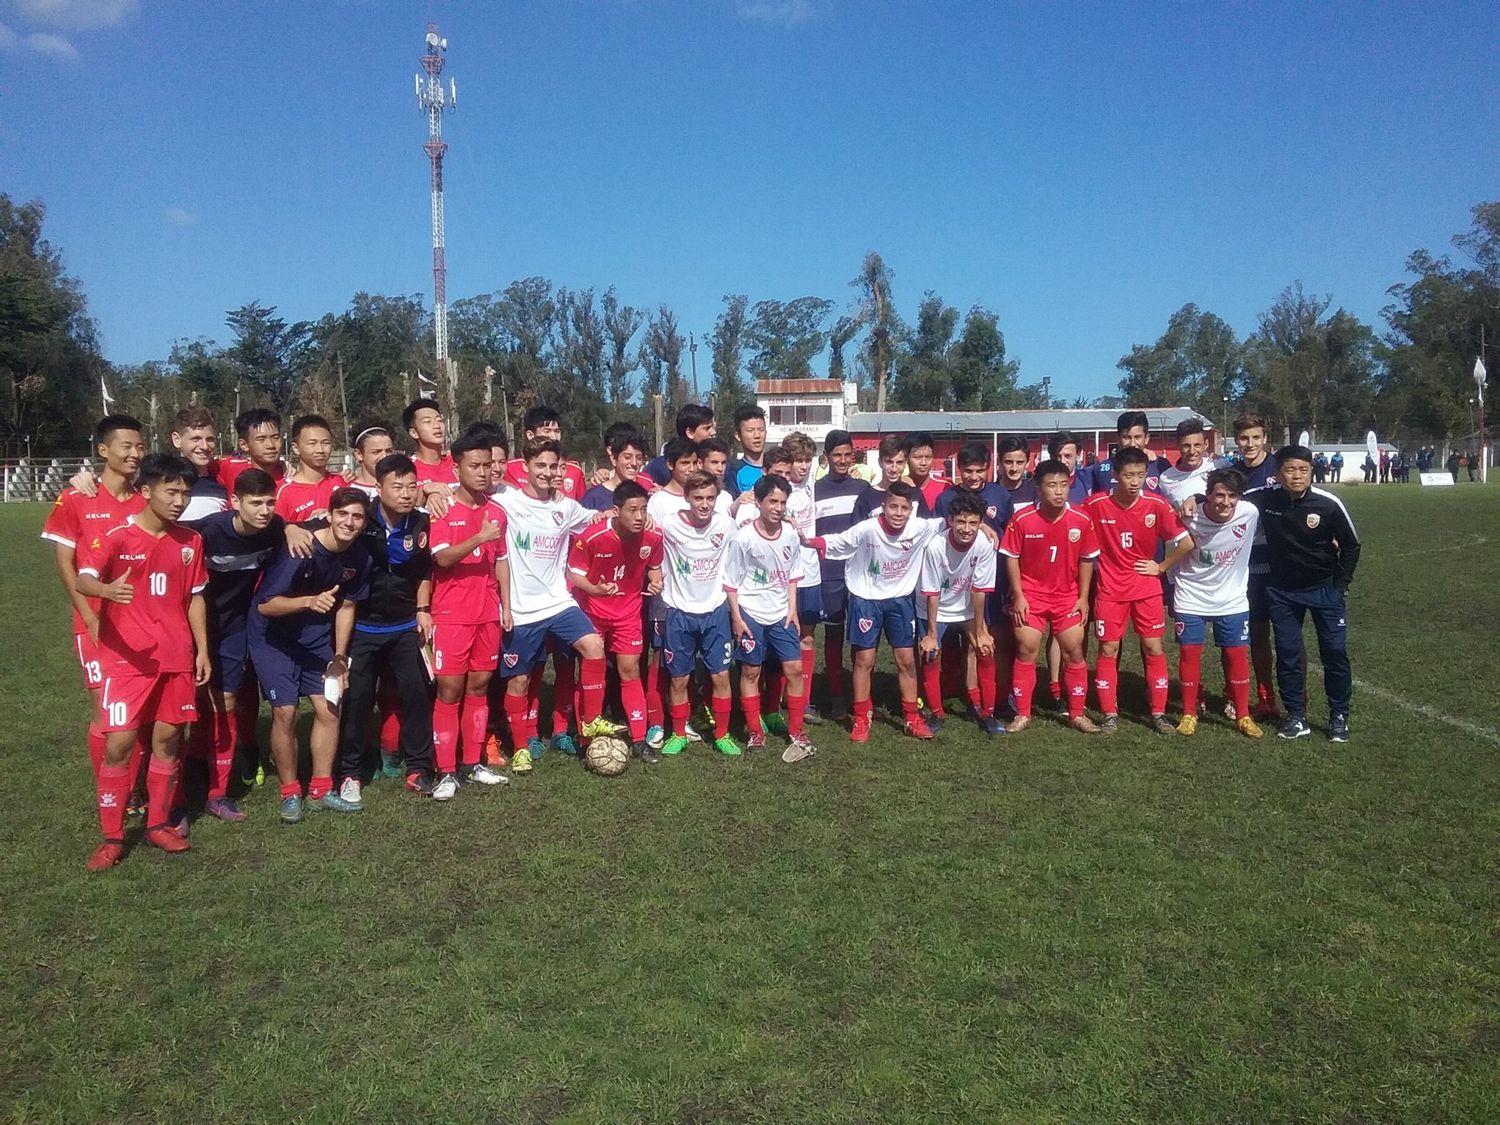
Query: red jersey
[1049, 552]
[573, 485]
[1127, 536]
[296, 501]
[80, 521]
[149, 635]
[601, 555]
[443, 471]
[228, 470]
[466, 593]
[933, 487]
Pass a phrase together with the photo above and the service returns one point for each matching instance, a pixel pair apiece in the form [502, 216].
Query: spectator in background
[1472, 461]
[1453, 463]
[1320, 468]
[1336, 467]
[1369, 468]
[1385, 467]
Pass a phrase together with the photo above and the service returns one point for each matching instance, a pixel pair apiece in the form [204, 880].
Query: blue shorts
[869, 617]
[778, 640]
[286, 677]
[1231, 630]
[1260, 603]
[230, 660]
[943, 627]
[694, 636]
[835, 597]
[809, 605]
[527, 645]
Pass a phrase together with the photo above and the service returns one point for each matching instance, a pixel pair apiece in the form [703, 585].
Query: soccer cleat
[165, 837]
[1229, 711]
[520, 761]
[351, 791]
[811, 714]
[135, 806]
[390, 765]
[224, 809]
[291, 809]
[1163, 725]
[655, 737]
[798, 749]
[755, 743]
[1109, 725]
[446, 788]
[935, 722]
[1187, 726]
[601, 728]
[1248, 727]
[642, 752]
[492, 755]
[838, 711]
[481, 774]
[565, 743]
[1059, 701]
[419, 782]
[860, 731]
[537, 747]
[1338, 728]
[333, 801]
[674, 745]
[106, 855]
[971, 712]
[917, 728]
[260, 775]
[1018, 724]
[690, 734]
[1294, 727]
[1083, 725]
[727, 746]
[991, 725]
[774, 723]
[181, 823]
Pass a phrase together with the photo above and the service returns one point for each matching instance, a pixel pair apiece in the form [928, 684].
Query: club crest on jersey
[747, 644]
[865, 624]
[421, 540]
[1181, 627]
[717, 539]
[1074, 535]
[567, 485]
[1152, 481]
[1150, 519]
[786, 553]
[409, 543]
[645, 552]
[1313, 519]
[187, 556]
[990, 511]
[1238, 531]
[557, 518]
[348, 574]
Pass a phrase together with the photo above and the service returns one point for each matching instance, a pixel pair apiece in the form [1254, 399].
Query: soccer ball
[608, 757]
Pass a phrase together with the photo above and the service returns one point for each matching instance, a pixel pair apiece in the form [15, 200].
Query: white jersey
[955, 574]
[663, 505]
[802, 514]
[537, 536]
[1178, 485]
[693, 564]
[882, 565]
[762, 572]
[1213, 581]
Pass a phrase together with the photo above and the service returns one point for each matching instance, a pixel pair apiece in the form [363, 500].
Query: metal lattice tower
[433, 100]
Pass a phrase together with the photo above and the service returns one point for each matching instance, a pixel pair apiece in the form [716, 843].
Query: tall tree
[783, 337]
[661, 356]
[921, 367]
[270, 356]
[982, 377]
[726, 342]
[844, 329]
[621, 323]
[581, 339]
[1196, 362]
[876, 310]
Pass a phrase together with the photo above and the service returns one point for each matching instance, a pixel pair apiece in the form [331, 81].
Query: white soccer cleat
[446, 788]
[350, 791]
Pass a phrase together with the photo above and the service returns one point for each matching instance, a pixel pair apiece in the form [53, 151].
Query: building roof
[798, 387]
[937, 422]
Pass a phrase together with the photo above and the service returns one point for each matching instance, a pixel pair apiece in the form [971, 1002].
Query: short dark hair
[778, 455]
[890, 445]
[307, 421]
[1049, 468]
[973, 453]
[1293, 453]
[835, 438]
[630, 490]
[398, 463]
[691, 416]
[111, 423]
[254, 482]
[254, 419]
[677, 449]
[621, 436]
[164, 468]
[1189, 426]
[409, 415]
[468, 443]
[713, 445]
[746, 414]
[1012, 443]
[1130, 419]
[772, 482]
[489, 430]
[1056, 442]
[374, 429]
[344, 497]
[534, 448]
[965, 503]
[918, 439]
[1232, 479]
[1249, 421]
[539, 415]
[902, 489]
[193, 418]
[1131, 456]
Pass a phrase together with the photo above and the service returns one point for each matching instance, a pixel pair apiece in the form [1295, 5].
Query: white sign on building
[809, 406]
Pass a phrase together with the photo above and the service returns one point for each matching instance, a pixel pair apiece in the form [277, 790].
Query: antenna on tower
[433, 100]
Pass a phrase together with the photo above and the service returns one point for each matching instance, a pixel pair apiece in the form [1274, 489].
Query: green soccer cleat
[674, 745]
[520, 762]
[727, 746]
[601, 728]
[391, 766]
[774, 723]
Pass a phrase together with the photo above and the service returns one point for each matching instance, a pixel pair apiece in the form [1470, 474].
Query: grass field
[1043, 927]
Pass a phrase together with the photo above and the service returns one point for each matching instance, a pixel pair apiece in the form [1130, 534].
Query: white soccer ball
[608, 757]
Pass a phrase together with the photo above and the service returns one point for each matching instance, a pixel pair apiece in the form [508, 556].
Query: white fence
[41, 478]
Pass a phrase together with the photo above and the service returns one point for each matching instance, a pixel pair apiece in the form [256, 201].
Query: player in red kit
[423, 422]
[611, 565]
[259, 434]
[304, 495]
[470, 607]
[1129, 523]
[152, 632]
[78, 521]
[1050, 551]
[542, 423]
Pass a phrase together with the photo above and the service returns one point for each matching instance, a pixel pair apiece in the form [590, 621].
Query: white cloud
[75, 15]
[180, 217]
[785, 12]
[38, 42]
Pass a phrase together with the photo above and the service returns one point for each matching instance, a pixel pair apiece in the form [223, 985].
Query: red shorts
[88, 660]
[130, 700]
[1058, 616]
[457, 649]
[623, 638]
[1148, 615]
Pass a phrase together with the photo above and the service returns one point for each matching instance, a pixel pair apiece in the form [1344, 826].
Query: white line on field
[1474, 730]
[1472, 541]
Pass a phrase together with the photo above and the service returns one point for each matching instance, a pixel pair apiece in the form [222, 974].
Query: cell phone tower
[434, 100]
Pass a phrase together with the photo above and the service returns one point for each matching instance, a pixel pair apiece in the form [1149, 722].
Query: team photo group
[416, 601]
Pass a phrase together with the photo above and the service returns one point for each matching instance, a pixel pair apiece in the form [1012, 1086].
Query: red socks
[96, 748]
[1076, 679]
[516, 708]
[722, 708]
[114, 791]
[1264, 694]
[986, 668]
[592, 688]
[633, 699]
[1157, 679]
[932, 683]
[390, 729]
[221, 763]
[1023, 684]
[1106, 683]
[1055, 687]
[680, 712]
[862, 710]
[833, 659]
[655, 692]
[445, 736]
[319, 787]
[1237, 676]
[1190, 675]
[161, 780]
[291, 789]
[772, 687]
[909, 709]
[564, 685]
[796, 711]
[750, 705]
[476, 721]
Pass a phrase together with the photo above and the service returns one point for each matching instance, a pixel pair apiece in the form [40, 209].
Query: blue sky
[1084, 170]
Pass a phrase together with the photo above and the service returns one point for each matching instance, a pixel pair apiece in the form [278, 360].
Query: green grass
[1039, 928]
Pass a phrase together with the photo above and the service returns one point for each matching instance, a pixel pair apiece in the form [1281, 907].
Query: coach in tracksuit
[1312, 549]
[392, 625]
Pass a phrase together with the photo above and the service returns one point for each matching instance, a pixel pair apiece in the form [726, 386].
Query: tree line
[596, 358]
